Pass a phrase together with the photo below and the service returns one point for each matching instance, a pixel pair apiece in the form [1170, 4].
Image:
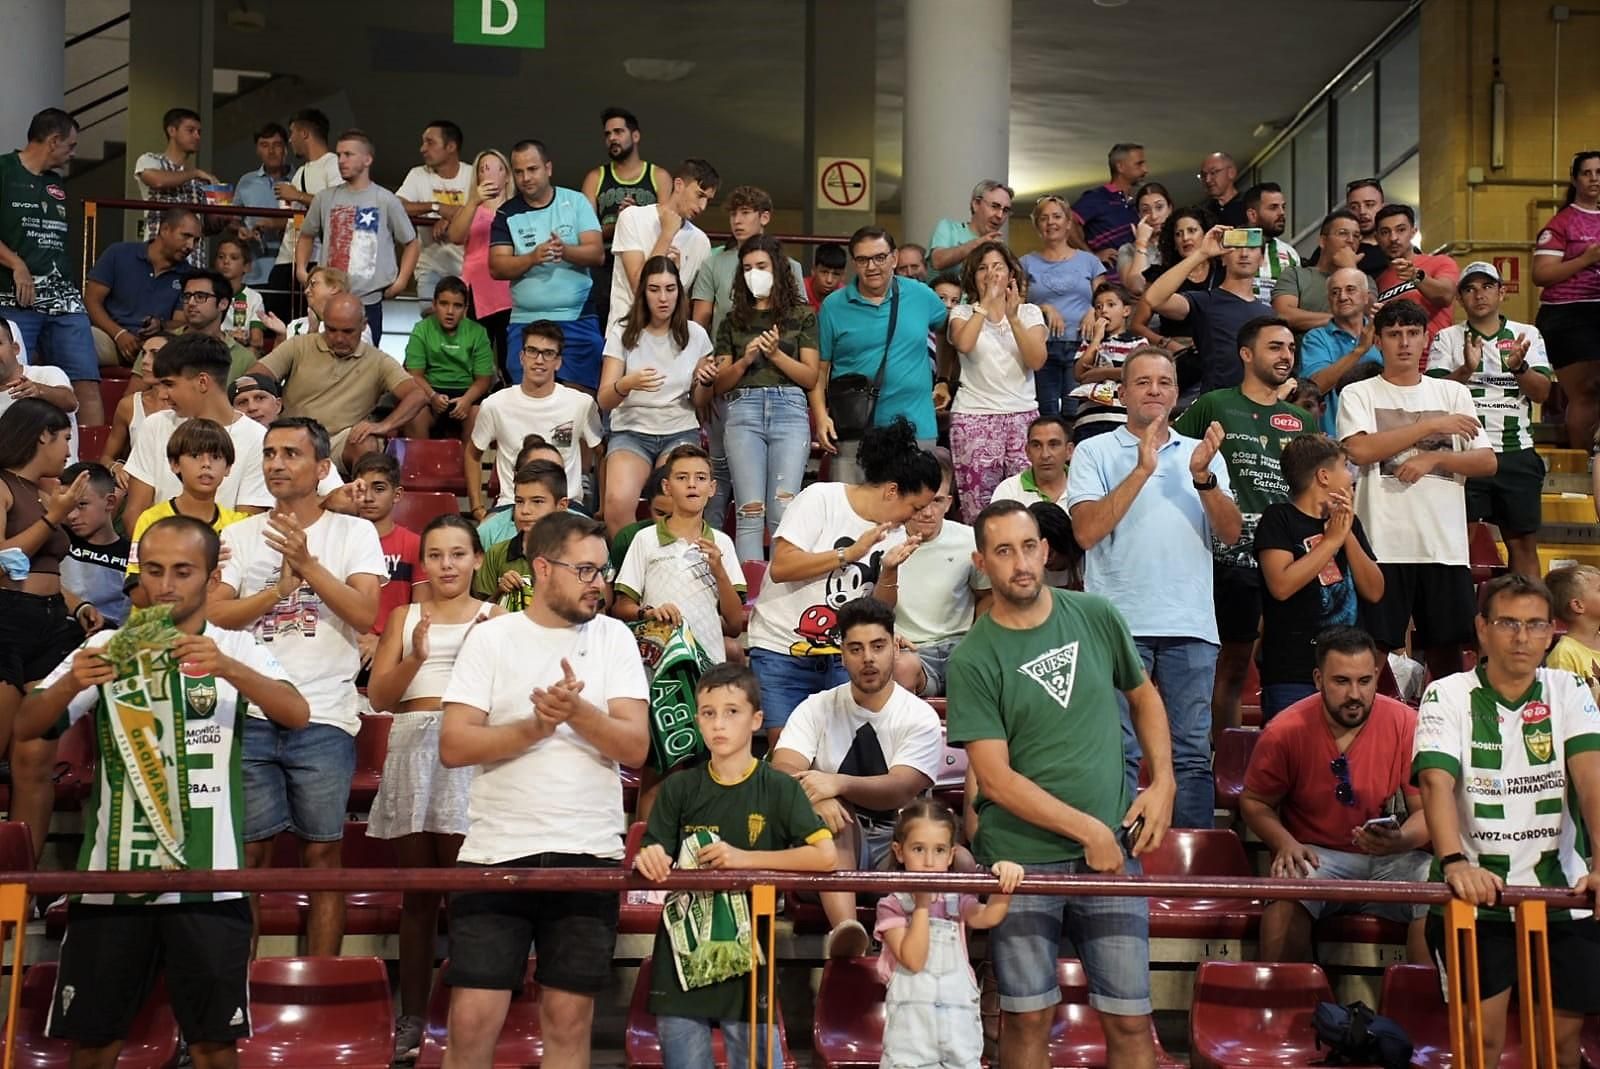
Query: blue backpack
[1354, 1035]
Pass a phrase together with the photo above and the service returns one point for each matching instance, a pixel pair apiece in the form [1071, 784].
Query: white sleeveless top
[444, 642]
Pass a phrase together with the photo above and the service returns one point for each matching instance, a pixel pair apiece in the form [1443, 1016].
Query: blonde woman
[491, 297]
[1061, 278]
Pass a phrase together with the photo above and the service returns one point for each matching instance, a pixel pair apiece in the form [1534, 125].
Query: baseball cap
[1479, 267]
[246, 383]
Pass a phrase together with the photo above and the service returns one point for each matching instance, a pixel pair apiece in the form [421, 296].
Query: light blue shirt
[1066, 285]
[257, 189]
[851, 331]
[947, 234]
[1322, 347]
[1155, 565]
[549, 291]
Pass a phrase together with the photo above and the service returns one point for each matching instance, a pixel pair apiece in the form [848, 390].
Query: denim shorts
[650, 446]
[63, 341]
[1109, 933]
[296, 780]
[1409, 867]
[786, 681]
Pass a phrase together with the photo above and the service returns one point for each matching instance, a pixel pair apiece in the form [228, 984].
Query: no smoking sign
[844, 184]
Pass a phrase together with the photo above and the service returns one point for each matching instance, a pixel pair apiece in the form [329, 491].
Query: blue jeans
[296, 780]
[61, 341]
[1184, 670]
[1053, 382]
[717, 508]
[375, 320]
[767, 440]
[1276, 697]
[787, 680]
[686, 1043]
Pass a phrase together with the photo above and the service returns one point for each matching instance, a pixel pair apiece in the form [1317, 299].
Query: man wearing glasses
[1220, 176]
[1328, 791]
[206, 296]
[1506, 756]
[549, 702]
[952, 240]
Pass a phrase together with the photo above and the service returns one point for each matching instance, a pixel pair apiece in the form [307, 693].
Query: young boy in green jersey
[450, 357]
[758, 818]
[506, 574]
[193, 687]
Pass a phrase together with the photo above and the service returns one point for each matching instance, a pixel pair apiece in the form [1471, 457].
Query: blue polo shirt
[1322, 347]
[851, 331]
[137, 290]
[1108, 216]
[258, 189]
[1155, 565]
[549, 291]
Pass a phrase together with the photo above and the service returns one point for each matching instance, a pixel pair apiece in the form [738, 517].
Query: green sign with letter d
[503, 23]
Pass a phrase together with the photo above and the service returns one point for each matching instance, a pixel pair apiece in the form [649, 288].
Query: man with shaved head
[1220, 175]
[1330, 352]
[342, 399]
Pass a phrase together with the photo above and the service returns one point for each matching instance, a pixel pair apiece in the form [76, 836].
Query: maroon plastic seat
[92, 441]
[74, 771]
[1201, 852]
[1483, 553]
[416, 509]
[117, 371]
[366, 912]
[1077, 1038]
[430, 464]
[111, 391]
[152, 1042]
[636, 916]
[1247, 1015]
[1414, 998]
[938, 705]
[755, 573]
[16, 847]
[642, 1047]
[319, 1011]
[372, 746]
[809, 919]
[1360, 928]
[1232, 758]
[520, 1043]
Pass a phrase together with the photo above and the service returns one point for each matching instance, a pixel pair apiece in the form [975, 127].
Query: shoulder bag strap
[888, 341]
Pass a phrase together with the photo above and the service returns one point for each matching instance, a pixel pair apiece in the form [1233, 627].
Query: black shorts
[1237, 595]
[574, 933]
[111, 956]
[1574, 960]
[1438, 598]
[1510, 498]
[445, 425]
[1571, 332]
[36, 634]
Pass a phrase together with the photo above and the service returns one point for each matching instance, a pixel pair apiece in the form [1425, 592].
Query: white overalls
[931, 1018]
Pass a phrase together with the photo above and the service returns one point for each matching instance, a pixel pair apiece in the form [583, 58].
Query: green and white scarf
[710, 931]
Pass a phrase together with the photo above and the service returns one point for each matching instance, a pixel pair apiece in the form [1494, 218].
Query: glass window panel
[1310, 201]
[1355, 112]
[1280, 169]
[1403, 185]
[1398, 106]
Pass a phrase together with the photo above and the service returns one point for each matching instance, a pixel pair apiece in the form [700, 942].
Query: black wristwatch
[1209, 483]
[1450, 859]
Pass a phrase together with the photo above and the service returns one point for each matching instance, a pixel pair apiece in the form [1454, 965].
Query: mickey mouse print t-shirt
[800, 619]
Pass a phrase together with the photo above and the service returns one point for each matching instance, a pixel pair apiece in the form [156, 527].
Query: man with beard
[1266, 208]
[1032, 697]
[862, 751]
[623, 181]
[1214, 315]
[1328, 791]
[1255, 427]
[549, 702]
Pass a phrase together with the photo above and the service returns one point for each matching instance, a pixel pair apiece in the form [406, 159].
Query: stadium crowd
[1072, 496]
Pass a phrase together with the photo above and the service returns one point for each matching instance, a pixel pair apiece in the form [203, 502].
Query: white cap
[1479, 267]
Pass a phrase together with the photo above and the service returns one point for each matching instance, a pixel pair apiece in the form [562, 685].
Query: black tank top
[613, 191]
[27, 510]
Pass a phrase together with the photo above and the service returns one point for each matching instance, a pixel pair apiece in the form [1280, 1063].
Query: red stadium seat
[938, 705]
[642, 1046]
[366, 912]
[520, 1043]
[372, 746]
[430, 464]
[1248, 1015]
[1232, 758]
[1483, 553]
[152, 1042]
[1360, 928]
[416, 509]
[92, 442]
[16, 847]
[1201, 852]
[1414, 998]
[639, 914]
[1077, 1037]
[755, 573]
[74, 771]
[111, 391]
[116, 371]
[319, 1011]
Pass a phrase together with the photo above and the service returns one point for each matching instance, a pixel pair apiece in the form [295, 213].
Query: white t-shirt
[1022, 487]
[1424, 522]
[823, 728]
[993, 377]
[662, 570]
[311, 178]
[425, 186]
[638, 229]
[50, 375]
[565, 418]
[243, 485]
[562, 795]
[937, 585]
[316, 648]
[799, 618]
[669, 409]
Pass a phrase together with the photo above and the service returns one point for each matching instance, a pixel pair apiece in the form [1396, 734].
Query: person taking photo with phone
[1215, 315]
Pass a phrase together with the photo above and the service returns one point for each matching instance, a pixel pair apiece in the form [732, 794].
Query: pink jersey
[1571, 231]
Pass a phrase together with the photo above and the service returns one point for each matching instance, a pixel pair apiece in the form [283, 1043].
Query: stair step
[1565, 461]
[1556, 482]
[1571, 533]
[1555, 555]
[1571, 508]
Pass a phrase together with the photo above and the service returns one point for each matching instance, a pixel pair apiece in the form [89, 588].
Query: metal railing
[1531, 907]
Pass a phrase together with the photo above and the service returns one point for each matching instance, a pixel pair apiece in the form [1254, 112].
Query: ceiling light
[1110, 3]
[657, 70]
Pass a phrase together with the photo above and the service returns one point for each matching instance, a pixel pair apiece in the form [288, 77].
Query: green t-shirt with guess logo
[33, 224]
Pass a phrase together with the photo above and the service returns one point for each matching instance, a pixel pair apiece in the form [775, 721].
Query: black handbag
[853, 398]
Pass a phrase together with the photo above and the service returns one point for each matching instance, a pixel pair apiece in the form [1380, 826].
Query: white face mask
[759, 279]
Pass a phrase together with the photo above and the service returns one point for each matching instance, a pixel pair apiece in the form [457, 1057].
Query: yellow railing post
[764, 905]
[13, 915]
[1463, 1002]
[1533, 986]
[91, 220]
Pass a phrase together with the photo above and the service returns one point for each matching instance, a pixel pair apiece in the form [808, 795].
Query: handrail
[603, 879]
[193, 206]
[95, 31]
[101, 99]
[103, 74]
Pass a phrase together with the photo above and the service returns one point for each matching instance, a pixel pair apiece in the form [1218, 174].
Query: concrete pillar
[170, 46]
[841, 62]
[35, 65]
[958, 107]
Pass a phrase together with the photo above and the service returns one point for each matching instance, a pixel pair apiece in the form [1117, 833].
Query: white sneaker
[408, 1038]
[847, 940]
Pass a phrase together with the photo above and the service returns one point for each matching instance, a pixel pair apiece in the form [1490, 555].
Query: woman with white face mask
[767, 360]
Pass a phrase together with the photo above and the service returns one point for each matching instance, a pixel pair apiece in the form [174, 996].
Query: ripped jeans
[767, 439]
